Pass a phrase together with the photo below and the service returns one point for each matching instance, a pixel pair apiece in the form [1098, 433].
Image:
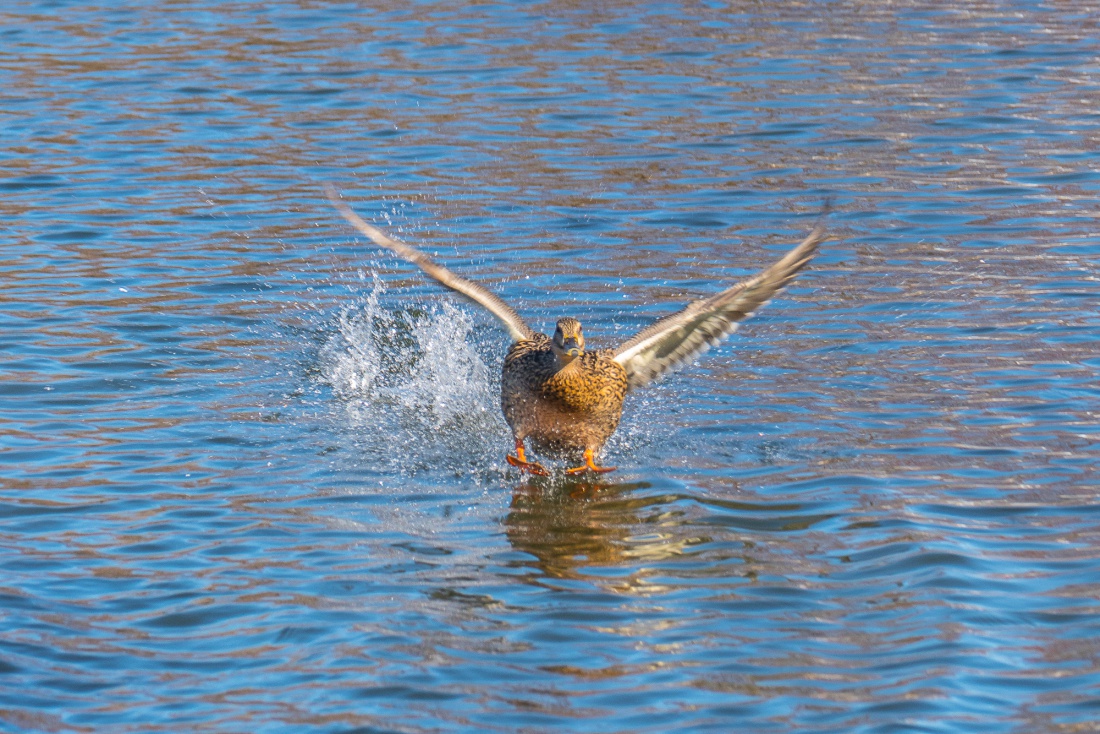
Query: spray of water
[415, 391]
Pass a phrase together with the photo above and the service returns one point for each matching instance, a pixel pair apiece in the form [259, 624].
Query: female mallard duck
[565, 398]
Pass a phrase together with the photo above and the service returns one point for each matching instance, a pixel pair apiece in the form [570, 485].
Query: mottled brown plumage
[568, 400]
[570, 408]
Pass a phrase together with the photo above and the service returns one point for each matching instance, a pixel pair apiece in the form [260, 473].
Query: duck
[567, 399]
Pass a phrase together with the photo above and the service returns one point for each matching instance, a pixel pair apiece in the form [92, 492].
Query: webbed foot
[520, 462]
[590, 465]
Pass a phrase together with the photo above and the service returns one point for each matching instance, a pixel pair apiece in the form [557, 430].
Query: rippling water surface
[251, 469]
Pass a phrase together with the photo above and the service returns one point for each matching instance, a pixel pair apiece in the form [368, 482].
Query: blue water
[252, 470]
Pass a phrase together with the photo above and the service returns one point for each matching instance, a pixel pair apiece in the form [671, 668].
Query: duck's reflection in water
[597, 530]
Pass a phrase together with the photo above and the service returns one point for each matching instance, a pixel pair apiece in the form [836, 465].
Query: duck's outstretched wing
[516, 326]
[681, 337]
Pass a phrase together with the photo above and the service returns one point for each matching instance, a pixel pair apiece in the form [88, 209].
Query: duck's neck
[565, 361]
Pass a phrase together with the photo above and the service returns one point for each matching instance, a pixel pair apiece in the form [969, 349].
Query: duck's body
[568, 400]
[563, 409]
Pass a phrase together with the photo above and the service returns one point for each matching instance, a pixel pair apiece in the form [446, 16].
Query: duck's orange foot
[528, 466]
[597, 469]
[590, 465]
[520, 462]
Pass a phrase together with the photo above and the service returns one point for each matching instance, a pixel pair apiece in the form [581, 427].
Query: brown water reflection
[576, 527]
[570, 526]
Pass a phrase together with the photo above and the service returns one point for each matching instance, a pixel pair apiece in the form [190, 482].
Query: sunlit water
[252, 470]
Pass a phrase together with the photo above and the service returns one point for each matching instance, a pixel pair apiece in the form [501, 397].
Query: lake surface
[252, 471]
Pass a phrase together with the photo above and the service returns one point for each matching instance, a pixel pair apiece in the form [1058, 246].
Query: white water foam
[414, 389]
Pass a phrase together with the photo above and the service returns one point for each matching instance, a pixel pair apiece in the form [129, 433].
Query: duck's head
[568, 341]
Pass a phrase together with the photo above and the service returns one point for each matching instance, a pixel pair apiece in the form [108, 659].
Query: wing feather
[683, 336]
[516, 326]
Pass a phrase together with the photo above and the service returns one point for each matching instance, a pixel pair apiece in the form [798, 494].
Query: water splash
[413, 387]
